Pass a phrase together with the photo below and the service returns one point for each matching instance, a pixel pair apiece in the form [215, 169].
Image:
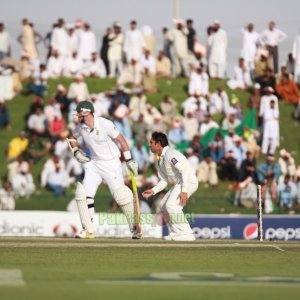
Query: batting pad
[84, 214]
[124, 198]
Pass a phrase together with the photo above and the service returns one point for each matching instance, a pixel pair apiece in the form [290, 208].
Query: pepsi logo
[64, 230]
[250, 231]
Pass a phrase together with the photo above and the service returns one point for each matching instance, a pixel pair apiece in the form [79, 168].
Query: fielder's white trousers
[98, 170]
[177, 223]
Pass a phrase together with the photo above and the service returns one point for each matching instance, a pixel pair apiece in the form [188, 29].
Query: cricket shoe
[83, 234]
[137, 234]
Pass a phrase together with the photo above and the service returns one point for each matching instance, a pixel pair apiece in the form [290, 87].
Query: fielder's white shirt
[174, 168]
[100, 139]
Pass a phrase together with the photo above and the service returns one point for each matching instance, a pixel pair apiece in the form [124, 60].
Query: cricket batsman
[102, 138]
[173, 168]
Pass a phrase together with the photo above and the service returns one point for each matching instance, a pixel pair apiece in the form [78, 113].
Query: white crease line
[189, 283]
[11, 277]
[276, 247]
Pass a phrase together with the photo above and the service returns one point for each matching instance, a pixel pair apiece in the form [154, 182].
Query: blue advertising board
[275, 227]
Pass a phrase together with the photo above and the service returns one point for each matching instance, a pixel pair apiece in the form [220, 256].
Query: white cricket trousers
[98, 170]
[177, 222]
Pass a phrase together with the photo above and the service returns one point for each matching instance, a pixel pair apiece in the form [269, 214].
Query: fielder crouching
[101, 137]
[173, 168]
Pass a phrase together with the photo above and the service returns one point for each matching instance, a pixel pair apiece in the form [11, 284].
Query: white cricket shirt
[100, 139]
[174, 168]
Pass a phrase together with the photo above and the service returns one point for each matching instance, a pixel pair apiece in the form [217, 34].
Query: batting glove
[132, 166]
[81, 156]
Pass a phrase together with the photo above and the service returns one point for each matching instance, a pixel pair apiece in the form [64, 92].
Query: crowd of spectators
[225, 150]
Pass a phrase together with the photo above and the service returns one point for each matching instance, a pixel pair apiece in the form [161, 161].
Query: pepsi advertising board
[275, 227]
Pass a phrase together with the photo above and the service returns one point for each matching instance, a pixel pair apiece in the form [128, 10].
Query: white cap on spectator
[61, 88]
[284, 153]
[231, 111]
[24, 167]
[257, 86]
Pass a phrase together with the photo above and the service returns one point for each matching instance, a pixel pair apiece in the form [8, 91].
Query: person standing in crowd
[59, 39]
[27, 39]
[133, 43]
[104, 49]
[249, 48]
[270, 38]
[178, 36]
[4, 42]
[296, 58]
[116, 40]
[174, 168]
[87, 43]
[217, 59]
[270, 129]
[191, 35]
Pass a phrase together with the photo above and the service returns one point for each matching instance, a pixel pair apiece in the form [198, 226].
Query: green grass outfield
[57, 268]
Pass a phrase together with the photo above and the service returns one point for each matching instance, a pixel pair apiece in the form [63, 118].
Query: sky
[233, 14]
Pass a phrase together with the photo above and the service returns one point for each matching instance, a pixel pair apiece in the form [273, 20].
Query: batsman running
[173, 168]
[102, 138]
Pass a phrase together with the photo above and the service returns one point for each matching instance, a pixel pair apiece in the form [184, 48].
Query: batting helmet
[85, 106]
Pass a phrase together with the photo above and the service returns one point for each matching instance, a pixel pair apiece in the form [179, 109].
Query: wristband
[127, 155]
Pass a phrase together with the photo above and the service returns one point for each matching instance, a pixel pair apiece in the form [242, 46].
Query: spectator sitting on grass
[58, 180]
[7, 200]
[177, 133]
[248, 168]
[207, 172]
[4, 115]
[17, 146]
[269, 194]
[288, 90]
[62, 99]
[22, 182]
[231, 121]
[287, 164]
[217, 148]
[228, 170]
[287, 192]
[37, 123]
[267, 169]
[38, 86]
[36, 149]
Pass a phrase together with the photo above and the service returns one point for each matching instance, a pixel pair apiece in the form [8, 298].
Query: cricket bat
[136, 204]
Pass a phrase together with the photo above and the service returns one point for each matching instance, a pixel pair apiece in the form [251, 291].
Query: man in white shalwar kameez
[178, 36]
[59, 39]
[296, 57]
[116, 40]
[94, 67]
[72, 40]
[217, 59]
[78, 89]
[133, 43]
[241, 78]
[250, 42]
[199, 82]
[87, 43]
[266, 100]
[72, 66]
[54, 65]
[270, 129]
